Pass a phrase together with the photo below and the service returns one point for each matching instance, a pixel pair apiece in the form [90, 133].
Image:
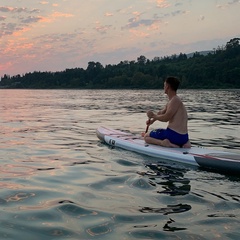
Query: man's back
[179, 119]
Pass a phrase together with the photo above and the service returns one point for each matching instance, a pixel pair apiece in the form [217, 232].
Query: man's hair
[173, 82]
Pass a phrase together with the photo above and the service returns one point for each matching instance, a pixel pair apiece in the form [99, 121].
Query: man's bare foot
[187, 145]
[163, 143]
[167, 143]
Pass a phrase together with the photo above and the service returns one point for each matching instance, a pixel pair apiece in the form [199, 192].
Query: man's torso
[179, 120]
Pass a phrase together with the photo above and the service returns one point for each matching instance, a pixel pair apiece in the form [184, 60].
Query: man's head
[172, 82]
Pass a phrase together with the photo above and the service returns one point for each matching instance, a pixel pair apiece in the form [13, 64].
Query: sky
[54, 35]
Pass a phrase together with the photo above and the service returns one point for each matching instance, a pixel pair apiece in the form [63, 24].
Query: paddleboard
[197, 156]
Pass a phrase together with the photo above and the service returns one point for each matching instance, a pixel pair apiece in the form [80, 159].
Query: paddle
[147, 125]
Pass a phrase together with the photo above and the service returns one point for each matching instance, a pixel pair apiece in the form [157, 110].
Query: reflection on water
[170, 178]
[59, 181]
[170, 209]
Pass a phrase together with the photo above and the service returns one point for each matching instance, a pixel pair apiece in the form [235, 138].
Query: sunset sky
[53, 35]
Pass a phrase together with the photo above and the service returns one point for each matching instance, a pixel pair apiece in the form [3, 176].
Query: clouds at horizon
[55, 35]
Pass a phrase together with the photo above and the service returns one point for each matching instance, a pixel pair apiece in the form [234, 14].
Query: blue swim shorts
[172, 136]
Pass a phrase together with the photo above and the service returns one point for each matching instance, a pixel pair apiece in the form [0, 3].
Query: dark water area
[58, 181]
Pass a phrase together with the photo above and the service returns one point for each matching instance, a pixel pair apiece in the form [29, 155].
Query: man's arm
[150, 121]
[162, 111]
[167, 113]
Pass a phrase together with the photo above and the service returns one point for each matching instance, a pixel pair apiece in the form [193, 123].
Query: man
[176, 134]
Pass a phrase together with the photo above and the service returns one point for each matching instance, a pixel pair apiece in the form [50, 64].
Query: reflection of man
[176, 134]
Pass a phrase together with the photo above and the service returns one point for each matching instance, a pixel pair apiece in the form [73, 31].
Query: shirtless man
[176, 134]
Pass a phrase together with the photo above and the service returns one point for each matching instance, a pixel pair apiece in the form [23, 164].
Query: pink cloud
[4, 66]
[107, 14]
[55, 15]
[102, 28]
[2, 18]
[139, 33]
[162, 3]
[6, 9]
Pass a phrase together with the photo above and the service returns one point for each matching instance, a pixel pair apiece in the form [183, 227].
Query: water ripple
[58, 181]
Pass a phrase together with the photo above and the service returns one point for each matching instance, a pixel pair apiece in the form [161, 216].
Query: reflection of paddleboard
[218, 160]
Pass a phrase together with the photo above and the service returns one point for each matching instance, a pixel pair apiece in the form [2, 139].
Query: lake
[58, 181]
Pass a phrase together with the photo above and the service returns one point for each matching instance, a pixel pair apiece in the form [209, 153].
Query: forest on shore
[218, 69]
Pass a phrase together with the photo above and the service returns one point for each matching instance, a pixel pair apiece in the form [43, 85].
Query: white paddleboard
[197, 156]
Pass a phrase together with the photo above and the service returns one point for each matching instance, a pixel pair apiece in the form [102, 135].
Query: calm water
[58, 181]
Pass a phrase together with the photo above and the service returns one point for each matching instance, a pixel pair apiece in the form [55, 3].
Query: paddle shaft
[147, 129]
[147, 126]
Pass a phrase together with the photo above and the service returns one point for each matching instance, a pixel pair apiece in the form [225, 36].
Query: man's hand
[151, 118]
[150, 114]
[148, 122]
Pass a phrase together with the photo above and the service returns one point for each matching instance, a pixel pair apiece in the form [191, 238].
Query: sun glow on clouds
[162, 4]
[138, 33]
[44, 2]
[107, 14]
[39, 35]
[14, 47]
[21, 32]
[103, 29]
[54, 16]
[6, 65]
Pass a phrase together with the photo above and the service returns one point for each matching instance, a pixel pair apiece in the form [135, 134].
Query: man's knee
[146, 139]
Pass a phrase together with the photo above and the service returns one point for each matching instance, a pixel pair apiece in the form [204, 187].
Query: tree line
[219, 68]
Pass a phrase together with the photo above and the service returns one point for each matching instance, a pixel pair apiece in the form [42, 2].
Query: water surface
[58, 181]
